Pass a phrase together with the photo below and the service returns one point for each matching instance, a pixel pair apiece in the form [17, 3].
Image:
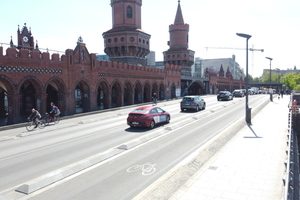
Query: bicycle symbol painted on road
[147, 168]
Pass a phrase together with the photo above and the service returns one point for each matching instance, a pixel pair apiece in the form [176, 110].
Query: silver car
[192, 102]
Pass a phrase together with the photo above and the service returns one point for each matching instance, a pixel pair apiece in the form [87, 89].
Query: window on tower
[129, 12]
[82, 55]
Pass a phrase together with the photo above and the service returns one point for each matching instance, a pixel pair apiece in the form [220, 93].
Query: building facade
[77, 81]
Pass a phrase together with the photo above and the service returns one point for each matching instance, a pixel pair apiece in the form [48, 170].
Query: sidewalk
[250, 166]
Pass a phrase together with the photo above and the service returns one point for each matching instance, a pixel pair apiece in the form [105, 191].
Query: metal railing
[291, 179]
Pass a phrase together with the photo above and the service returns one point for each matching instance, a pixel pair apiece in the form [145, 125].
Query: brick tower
[178, 53]
[25, 38]
[126, 42]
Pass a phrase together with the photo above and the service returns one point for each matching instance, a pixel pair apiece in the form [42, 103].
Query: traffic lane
[57, 134]
[19, 168]
[113, 181]
[42, 154]
[62, 160]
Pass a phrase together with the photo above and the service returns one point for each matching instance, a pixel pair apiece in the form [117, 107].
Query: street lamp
[278, 79]
[270, 90]
[248, 110]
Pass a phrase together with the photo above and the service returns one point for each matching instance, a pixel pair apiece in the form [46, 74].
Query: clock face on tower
[25, 38]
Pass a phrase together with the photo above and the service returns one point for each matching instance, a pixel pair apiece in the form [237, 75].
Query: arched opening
[56, 93]
[155, 90]
[3, 105]
[116, 97]
[102, 96]
[82, 102]
[173, 91]
[138, 93]
[129, 12]
[28, 100]
[52, 95]
[161, 94]
[195, 89]
[3, 102]
[127, 94]
[7, 116]
[147, 93]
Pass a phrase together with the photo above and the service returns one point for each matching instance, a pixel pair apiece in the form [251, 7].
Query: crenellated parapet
[71, 58]
[25, 57]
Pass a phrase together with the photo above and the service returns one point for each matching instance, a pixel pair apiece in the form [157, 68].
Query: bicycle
[49, 119]
[31, 124]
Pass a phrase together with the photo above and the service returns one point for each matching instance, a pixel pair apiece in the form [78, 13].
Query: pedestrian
[281, 92]
[154, 98]
[35, 116]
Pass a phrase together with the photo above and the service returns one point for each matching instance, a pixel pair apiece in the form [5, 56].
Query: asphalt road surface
[26, 156]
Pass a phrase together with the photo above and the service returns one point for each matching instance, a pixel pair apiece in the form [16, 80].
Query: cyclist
[54, 111]
[35, 116]
[154, 98]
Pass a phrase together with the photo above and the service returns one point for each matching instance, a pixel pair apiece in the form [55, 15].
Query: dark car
[224, 95]
[192, 102]
[238, 93]
[147, 116]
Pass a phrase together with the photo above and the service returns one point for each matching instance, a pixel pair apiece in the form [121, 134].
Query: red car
[147, 116]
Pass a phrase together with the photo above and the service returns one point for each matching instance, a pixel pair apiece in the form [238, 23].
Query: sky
[273, 24]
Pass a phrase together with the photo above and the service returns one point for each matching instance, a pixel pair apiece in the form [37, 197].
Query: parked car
[192, 102]
[238, 93]
[148, 116]
[251, 92]
[243, 90]
[224, 95]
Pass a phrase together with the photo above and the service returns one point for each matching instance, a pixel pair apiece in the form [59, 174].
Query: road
[27, 156]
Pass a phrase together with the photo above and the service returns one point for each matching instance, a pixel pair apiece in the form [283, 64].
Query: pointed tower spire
[221, 72]
[11, 42]
[179, 17]
[36, 46]
[179, 52]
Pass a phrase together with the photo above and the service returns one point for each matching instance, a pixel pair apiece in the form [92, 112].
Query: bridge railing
[291, 177]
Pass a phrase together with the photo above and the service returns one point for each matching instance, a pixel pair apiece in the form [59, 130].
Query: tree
[291, 80]
[275, 77]
[256, 79]
[250, 78]
[297, 87]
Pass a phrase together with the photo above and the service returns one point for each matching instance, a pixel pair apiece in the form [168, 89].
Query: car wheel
[152, 124]
[197, 108]
[182, 109]
[168, 119]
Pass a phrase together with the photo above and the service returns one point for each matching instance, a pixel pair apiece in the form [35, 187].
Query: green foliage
[297, 87]
[257, 80]
[275, 77]
[250, 78]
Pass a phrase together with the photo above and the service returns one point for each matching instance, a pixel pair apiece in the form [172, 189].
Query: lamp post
[270, 90]
[278, 79]
[248, 110]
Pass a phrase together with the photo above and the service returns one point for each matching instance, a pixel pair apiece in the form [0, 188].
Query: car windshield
[188, 99]
[140, 111]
